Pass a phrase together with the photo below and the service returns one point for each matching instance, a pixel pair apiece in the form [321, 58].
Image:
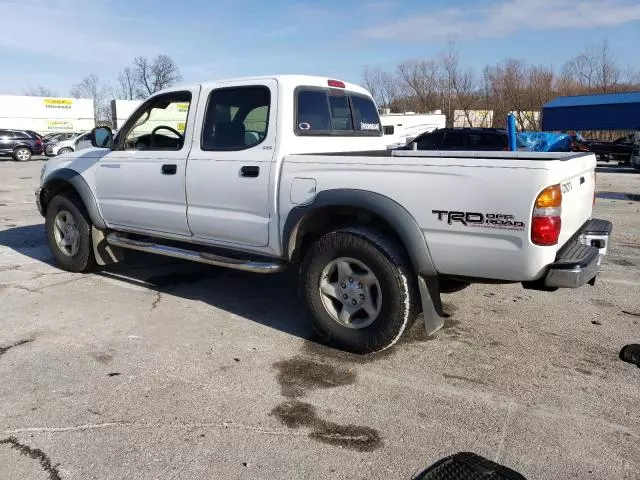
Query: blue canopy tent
[612, 111]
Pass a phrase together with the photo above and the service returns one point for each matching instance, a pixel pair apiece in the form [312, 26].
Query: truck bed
[487, 184]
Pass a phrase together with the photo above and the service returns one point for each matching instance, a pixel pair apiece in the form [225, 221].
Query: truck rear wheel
[69, 233]
[360, 289]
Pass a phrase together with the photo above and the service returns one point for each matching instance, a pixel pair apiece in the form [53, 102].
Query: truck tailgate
[576, 177]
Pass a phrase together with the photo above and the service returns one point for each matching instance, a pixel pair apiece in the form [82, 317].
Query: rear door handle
[169, 169]
[251, 171]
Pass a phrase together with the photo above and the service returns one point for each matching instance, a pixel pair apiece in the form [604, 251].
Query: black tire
[83, 260]
[397, 282]
[62, 151]
[22, 154]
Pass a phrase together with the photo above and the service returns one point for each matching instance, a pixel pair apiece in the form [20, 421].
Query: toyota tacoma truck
[262, 173]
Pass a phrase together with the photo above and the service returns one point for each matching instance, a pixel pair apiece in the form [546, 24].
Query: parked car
[59, 137]
[78, 141]
[20, 144]
[34, 134]
[376, 235]
[620, 149]
[479, 139]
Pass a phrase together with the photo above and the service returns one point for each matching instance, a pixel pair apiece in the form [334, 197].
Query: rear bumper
[579, 260]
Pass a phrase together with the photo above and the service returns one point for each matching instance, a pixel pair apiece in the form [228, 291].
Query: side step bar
[195, 256]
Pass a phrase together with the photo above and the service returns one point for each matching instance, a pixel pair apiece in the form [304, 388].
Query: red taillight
[545, 230]
[38, 142]
[336, 84]
[546, 223]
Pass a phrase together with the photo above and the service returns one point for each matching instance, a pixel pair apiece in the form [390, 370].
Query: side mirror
[102, 137]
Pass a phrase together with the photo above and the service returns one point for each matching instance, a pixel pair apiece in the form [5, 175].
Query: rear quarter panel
[432, 188]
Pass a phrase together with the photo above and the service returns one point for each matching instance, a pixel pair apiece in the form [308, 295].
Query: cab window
[331, 112]
[159, 124]
[236, 118]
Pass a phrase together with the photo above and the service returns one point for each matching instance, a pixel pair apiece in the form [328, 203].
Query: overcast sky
[55, 43]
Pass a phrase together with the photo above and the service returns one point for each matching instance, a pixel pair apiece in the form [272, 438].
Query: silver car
[79, 142]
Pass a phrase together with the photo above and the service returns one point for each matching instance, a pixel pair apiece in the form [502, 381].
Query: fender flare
[392, 212]
[83, 190]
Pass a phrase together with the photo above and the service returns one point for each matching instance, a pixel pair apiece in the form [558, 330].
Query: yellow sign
[59, 125]
[58, 103]
[181, 126]
[183, 107]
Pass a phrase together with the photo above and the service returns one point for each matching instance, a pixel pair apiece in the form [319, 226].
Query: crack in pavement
[34, 453]
[96, 426]
[158, 299]
[4, 350]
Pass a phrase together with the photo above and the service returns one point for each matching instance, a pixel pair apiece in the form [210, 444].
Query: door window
[236, 118]
[430, 141]
[159, 124]
[454, 141]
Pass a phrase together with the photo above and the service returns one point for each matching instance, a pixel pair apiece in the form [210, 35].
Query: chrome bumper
[578, 262]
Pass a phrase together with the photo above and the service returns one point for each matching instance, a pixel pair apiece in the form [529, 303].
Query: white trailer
[401, 128]
[46, 114]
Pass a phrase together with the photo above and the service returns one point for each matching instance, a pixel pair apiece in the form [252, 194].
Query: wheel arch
[333, 209]
[67, 179]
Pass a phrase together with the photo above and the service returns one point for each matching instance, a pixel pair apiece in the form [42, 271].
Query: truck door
[141, 183]
[230, 164]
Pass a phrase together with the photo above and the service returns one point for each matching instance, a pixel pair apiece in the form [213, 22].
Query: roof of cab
[288, 81]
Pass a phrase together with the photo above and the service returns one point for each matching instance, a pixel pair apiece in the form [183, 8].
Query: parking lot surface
[157, 368]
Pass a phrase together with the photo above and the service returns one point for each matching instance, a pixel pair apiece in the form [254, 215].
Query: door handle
[169, 169]
[250, 172]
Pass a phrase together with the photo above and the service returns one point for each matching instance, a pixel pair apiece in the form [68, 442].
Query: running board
[195, 256]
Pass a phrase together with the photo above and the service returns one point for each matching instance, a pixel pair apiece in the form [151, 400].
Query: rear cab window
[335, 112]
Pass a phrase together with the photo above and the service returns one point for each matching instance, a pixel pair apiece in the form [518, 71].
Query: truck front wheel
[361, 290]
[68, 230]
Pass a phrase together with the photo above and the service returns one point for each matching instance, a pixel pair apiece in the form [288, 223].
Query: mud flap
[431, 304]
[105, 254]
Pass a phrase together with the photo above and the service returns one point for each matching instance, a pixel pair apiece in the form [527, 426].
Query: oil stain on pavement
[299, 375]
[34, 453]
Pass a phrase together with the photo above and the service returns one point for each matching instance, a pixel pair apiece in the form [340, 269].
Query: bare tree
[457, 85]
[384, 86]
[154, 75]
[126, 88]
[594, 70]
[91, 87]
[419, 82]
[38, 91]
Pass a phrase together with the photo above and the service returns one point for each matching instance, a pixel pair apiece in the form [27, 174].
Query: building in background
[46, 114]
[473, 118]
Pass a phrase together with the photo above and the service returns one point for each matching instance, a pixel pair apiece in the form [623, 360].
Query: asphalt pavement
[157, 368]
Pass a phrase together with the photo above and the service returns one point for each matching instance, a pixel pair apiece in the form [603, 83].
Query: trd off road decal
[498, 221]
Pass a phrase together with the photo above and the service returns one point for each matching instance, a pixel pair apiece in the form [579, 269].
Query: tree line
[143, 78]
[444, 83]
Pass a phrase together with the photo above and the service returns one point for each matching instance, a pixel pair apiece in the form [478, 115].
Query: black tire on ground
[64, 150]
[22, 154]
[83, 260]
[399, 290]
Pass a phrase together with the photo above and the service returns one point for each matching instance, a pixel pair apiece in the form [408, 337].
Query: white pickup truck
[267, 172]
